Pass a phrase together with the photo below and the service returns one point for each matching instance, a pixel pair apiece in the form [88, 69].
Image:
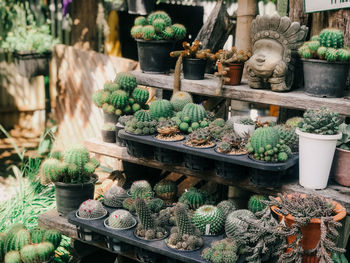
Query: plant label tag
[207, 229]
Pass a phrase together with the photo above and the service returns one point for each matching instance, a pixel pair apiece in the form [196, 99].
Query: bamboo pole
[246, 12]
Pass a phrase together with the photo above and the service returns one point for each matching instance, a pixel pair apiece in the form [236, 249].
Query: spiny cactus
[167, 128]
[136, 31]
[246, 121]
[199, 138]
[167, 33]
[77, 155]
[143, 115]
[115, 196]
[111, 87]
[183, 222]
[209, 215]
[320, 121]
[321, 52]
[288, 136]
[119, 99]
[141, 188]
[97, 98]
[159, 15]
[140, 21]
[17, 239]
[13, 257]
[194, 112]
[222, 251]
[304, 51]
[53, 236]
[227, 206]
[194, 198]
[180, 99]
[331, 37]
[179, 31]
[140, 95]
[52, 170]
[166, 189]
[148, 32]
[343, 55]
[126, 80]
[155, 204]
[331, 55]
[121, 219]
[159, 24]
[234, 225]
[37, 235]
[255, 204]
[294, 121]
[129, 204]
[161, 108]
[29, 254]
[91, 209]
[141, 127]
[3, 237]
[45, 251]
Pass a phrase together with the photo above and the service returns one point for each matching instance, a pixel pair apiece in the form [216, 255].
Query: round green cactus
[264, 139]
[45, 251]
[97, 98]
[159, 25]
[234, 224]
[136, 32]
[129, 204]
[222, 251]
[115, 196]
[294, 121]
[121, 219]
[159, 14]
[304, 51]
[161, 108]
[168, 33]
[53, 236]
[140, 95]
[211, 217]
[144, 215]
[140, 21]
[331, 55]
[343, 55]
[141, 188]
[179, 31]
[148, 32]
[180, 99]
[91, 209]
[155, 204]
[143, 116]
[254, 204]
[76, 154]
[194, 112]
[193, 198]
[52, 170]
[111, 86]
[119, 99]
[289, 136]
[332, 38]
[227, 206]
[29, 254]
[166, 189]
[313, 46]
[321, 52]
[17, 240]
[126, 80]
[315, 38]
[37, 235]
[13, 257]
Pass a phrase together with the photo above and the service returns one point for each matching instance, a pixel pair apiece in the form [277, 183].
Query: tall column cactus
[183, 222]
[144, 215]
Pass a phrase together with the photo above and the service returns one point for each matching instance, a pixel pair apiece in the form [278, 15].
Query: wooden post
[341, 19]
[246, 12]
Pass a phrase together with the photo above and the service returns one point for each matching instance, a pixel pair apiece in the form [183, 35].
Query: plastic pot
[139, 150]
[325, 79]
[31, 64]
[119, 141]
[341, 167]
[197, 163]
[167, 156]
[87, 235]
[70, 196]
[109, 117]
[311, 232]
[154, 55]
[140, 7]
[315, 158]
[194, 68]
[108, 136]
[242, 130]
[229, 170]
[234, 72]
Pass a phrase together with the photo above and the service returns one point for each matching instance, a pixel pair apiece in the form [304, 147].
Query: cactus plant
[343, 55]
[167, 33]
[141, 127]
[115, 196]
[331, 37]
[246, 121]
[3, 237]
[155, 204]
[289, 137]
[161, 108]
[222, 251]
[159, 15]
[167, 129]
[159, 25]
[234, 225]
[37, 235]
[294, 121]
[45, 251]
[53, 236]
[209, 219]
[255, 204]
[141, 188]
[140, 21]
[180, 99]
[140, 95]
[194, 198]
[29, 254]
[179, 31]
[52, 170]
[143, 116]
[18, 239]
[320, 121]
[120, 219]
[91, 209]
[126, 80]
[119, 99]
[194, 112]
[232, 144]
[183, 222]
[136, 31]
[128, 204]
[13, 257]
[166, 190]
[227, 206]
[148, 32]
[200, 138]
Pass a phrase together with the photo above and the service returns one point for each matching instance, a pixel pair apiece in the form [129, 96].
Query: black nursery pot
[325, 79]
[108, 136]
[31, 64]
[154, 55]
[109, 117]
[119, 141]
[70, 196]
[139, 150]
[141, 7]
[229, 171]
[197, 163]
[167, 156]
[194, 68]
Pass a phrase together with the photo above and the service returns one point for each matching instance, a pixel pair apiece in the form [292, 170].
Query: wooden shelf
[333, 191]
[296, 99]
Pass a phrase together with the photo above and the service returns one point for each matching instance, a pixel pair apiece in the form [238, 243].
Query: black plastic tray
[211, 153]
[127, 236]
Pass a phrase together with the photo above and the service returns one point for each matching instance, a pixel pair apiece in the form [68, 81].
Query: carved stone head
[275, 41]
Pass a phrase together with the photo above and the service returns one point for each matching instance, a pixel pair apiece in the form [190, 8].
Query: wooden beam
[246, 12]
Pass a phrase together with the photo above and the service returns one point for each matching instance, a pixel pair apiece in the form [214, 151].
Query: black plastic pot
[108, 136]
[167, 156]
[325, 79]
[119, 141]
[139, 150]
[31, 64]
[70, 196]
[87, 235]
[108, 117]
[229, 170]
[154, 55]
[197, 163]
[194, 68]
[140, 7]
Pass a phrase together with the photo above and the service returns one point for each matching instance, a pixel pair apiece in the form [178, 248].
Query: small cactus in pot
[168, 130]
[200, 138]
[141, 189]
[115, 196]
[166, 190]
[91, 209]
[209, 220]
[255, 205]
[120, 219]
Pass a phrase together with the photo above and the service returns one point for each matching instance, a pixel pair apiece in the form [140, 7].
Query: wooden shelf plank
[296, 99]
[333, 191]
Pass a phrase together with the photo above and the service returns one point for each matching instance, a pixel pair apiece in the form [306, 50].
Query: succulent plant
[140, 127]
[320, 121]
[53, 236]
[136, 31]
[126, 80]
[3, 237]
[255, 204]
[294, 121]
[344, 142]
[119, 99]
[115, 196]
[192, 51]
[194, 198]
[45, 251]
[232, 143]
[343, 55]
[13, 257]
[29, 254]
[199, 137]
[234, 225]
[167, 127]
[124, 119]
[159, 15]
[288, 135]
[161, 108]
[179, 31]
[17, 239]
[222, 251]
[246, 121]
[168, 214]
[209, 219]
[166, 190]
[91, 209]
[37, 235]
[141, 189]
[140, 21]
[52, 170]
[194, 112]
[180, 99]
[227, 206]
[155, 204]
[129, 204]
[140, 95]
[121, 219]
[148, 32]
[331, 37]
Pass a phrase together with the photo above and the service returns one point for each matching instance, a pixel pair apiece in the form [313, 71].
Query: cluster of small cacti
[141, 124]
[121, 96]
[91, 209]
[209, 220]
[192, 51]
[329, 45]
[288, 135]
[167, 128]
[320, 121]
[124, 119]
[266, 145]
[141, 189]
[184, 236]
[227, 206]
[222, 251]
[157, 26]
[218, 128]
[230, 143]
[255, 204]
[194, 198]
[168, 214]
[180, 99]
[121, 219]
[227, 57]
[20, 245]
[246, 121]
[73, 166]
[154, 204]
[115, 196]
[199, 138]
[149, 227]
[166, 190]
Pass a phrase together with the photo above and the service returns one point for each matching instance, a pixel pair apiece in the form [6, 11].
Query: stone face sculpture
[275, 41]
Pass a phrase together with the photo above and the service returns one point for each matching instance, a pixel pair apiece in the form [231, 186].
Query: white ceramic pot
[242, 130]
[315, 158]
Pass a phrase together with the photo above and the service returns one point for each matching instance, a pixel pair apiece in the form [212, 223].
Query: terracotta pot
[312, 231]
[234, 73]
[341, 166]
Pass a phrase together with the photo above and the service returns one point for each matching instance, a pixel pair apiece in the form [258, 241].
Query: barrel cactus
[45, 251]
[343, 55]
[294, 121]
[159, 25]
[52, 170]
[37, 235]
[166, 189]
[3, 237]
[331, 55]
[138, 127]
[91, 209]
[136, 31]
[129, 204]
[126, 80]
[155, 204]
[13, 257]
[53, 236]
[288, 135]
[143, 116]
[227, 206]
[119, 99]
[194, 112]
[17, 239]
[161, 108]
[222, 251]
[331, 37]
[180, 99]
[234, 225]
[121, 219]
[194, 198]
[141, 189]
[167, 33]
[148, 32]
[140, 21]
[115, 196]
[140, 95]
[29, 254]
[255, 204]
[209, 219]
[159, 15]
[179, 31]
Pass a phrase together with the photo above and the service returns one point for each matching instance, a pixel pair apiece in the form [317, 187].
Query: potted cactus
[156, 36]
[168, 130]
[232, 145]
[318, 135]
[120, 126]
[200, 138]
[223, 251]
[115, 196]
[325, 63]
[244, 127]
[72, 172]
[194, 198]
[120, 220]
[209, 219]
[166, 190]
[108, 132]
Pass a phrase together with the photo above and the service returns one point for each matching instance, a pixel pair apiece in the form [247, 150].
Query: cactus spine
[180, 99]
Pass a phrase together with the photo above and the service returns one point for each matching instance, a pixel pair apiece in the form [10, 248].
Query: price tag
[207, 229]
